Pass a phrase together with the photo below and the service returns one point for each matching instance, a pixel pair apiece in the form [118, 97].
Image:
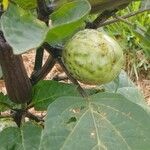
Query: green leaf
[5, 103]
[22, 30]
[67, 20]
[70, 12]
[25, 138]
[99, 6]
[45, 92]
[126, 87]
[1, 74]
[26, 4]
[121, 81]
[144, 36]
[105, 121]
[135, 96]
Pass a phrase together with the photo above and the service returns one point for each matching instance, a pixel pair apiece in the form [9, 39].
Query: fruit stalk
[79, 88]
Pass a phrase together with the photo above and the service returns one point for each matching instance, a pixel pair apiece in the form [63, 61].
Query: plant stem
[100, 19]
[37, 76]
[129, 23]
[38, 59]
[124, 17]
[18, 116]
[43, 11]
[55, 52]
[33, 117]
[40, 72]
[79, 88]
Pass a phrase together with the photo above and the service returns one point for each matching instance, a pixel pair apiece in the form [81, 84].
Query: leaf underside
[106, 121]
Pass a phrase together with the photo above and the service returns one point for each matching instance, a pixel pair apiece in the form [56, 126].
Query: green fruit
[93, 57]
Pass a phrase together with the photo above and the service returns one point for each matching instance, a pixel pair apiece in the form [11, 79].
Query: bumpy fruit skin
[92, 57]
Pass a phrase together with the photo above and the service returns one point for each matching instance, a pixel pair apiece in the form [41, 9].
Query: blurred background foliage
[137, 62]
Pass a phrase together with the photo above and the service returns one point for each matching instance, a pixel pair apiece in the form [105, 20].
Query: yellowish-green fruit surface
[93, 57]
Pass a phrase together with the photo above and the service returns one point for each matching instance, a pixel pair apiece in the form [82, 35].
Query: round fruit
[93, 57]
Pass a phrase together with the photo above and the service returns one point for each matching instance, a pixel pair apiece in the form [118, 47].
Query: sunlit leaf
[104, 121]
[45, 92]
[67, 20]
[22, 30]
[26, 4]
[25, 138]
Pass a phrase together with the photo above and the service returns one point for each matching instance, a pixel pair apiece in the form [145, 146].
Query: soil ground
[143, 83]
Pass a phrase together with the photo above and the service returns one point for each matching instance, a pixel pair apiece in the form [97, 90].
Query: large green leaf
[123, 85]
[22, 30]
[121, 81]
[45, 92]
[26, 4]
[135, 96]
[67, 20]
[104, 121]
[25, 138]
[99, 6]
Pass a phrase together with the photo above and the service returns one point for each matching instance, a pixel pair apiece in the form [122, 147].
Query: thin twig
[18, 115]
[38, 59]
[128, 22]
[39, 72]
[53, 51]
[49, 64]
[33, 117]
[79, 88]
[47, 67]
[124, 17]
[100, 19]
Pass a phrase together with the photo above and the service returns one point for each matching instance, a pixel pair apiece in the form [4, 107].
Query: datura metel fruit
[93, 57]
